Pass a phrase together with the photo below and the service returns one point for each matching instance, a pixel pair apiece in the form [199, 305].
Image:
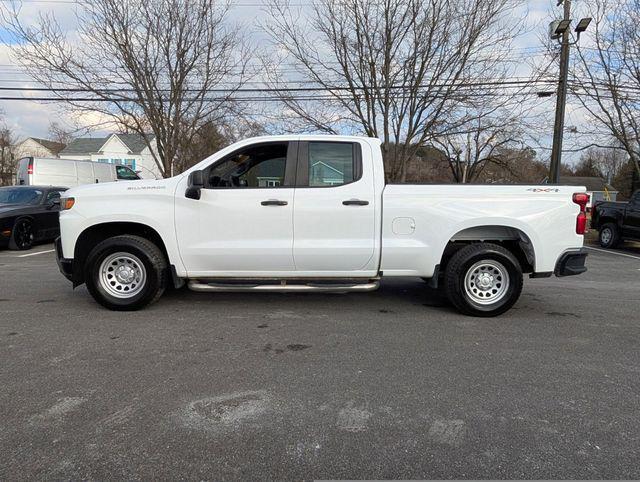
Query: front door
[335, 210]
[242, 225]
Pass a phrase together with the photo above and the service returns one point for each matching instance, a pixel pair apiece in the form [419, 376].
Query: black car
[29, 214]
[617, 221]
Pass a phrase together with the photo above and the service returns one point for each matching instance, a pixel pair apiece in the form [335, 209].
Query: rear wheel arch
[511, 238]
[97, 233]
[602, 220]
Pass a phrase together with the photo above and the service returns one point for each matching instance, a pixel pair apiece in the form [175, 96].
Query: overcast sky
[30, 118]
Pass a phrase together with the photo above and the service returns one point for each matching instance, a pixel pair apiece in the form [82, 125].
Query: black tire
[153, 282]
[21, 235]
[488, 262]
[609, 236]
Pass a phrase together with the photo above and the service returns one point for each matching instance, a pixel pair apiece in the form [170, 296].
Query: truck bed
[419, 220]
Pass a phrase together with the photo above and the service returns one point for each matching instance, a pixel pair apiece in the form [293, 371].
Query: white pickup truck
[313, 213]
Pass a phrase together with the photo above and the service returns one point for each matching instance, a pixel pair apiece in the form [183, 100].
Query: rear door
[334, 210]
[22, 174]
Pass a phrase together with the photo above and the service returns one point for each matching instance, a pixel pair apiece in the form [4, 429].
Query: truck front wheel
[483, 279]
[126, 273]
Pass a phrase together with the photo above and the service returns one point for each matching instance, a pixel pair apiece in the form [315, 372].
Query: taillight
[30, 167]
[581, 199]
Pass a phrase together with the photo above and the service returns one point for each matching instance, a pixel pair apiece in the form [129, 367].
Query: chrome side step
[283, 287]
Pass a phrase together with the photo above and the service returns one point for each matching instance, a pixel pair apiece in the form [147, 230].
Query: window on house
[130, 163]
[104, 161]
[256, 166]
[331, 163]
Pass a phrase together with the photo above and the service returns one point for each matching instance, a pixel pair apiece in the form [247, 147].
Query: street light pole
[561, 102]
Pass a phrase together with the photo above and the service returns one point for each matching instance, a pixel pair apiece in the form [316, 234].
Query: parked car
[313, 213]
[29, 214]
[41, 171]
[617, 221]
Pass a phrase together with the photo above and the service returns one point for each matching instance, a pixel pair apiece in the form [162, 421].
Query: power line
[80, 2]
[491, 83]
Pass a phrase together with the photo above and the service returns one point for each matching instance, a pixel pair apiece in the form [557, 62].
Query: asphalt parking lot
[390, 384]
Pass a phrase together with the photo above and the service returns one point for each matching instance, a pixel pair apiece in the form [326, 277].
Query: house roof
[84, 145]
[135, 142]
[93, 145]
[591, 183]
[53, 146]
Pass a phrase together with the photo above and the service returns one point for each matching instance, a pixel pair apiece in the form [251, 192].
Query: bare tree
[605, 162]
[60, 134]
[485, 141]
[147, 67]
[607, 76]
[7, 161]
[393, 69]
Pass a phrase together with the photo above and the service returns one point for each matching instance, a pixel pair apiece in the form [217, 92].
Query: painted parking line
[613, 252]
[35, 254]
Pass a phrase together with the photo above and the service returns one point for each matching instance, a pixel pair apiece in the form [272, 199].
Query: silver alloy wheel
[486, 282]
[606, 235]
[122, 275]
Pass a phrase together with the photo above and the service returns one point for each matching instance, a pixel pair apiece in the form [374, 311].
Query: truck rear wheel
[126, 273]
[483, 279]
[609, 236]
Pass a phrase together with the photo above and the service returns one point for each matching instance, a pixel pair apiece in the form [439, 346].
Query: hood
[120, 187]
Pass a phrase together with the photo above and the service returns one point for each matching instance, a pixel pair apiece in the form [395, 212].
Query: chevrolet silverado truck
[617, 221]
[313, 213]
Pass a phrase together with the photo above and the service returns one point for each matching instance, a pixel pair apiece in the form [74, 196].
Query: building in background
[597, 188]
[125, 149]
[36, 147]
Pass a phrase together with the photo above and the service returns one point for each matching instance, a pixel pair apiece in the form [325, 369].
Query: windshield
[12, 195]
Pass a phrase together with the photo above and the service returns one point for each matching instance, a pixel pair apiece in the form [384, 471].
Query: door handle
[274, 202]
[355, 202]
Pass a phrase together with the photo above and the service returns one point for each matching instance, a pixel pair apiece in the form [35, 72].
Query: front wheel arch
[93, 235]
[145, 273]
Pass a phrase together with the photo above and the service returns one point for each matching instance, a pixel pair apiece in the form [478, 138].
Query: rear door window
[329, 164]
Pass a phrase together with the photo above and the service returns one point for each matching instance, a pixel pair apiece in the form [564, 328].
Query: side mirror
[53, 203]
[196, 183]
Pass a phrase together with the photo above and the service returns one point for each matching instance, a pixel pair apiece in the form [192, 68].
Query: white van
[42, 171]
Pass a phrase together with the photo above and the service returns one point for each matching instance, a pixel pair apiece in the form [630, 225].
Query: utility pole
[561, 102]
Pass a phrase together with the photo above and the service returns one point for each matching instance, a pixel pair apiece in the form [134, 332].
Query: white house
[126, 149]
[36, 147]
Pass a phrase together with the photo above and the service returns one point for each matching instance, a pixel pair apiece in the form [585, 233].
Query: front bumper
[64, 265]
[571, 263]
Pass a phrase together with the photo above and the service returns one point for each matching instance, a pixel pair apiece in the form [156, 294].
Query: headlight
[66, 203]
